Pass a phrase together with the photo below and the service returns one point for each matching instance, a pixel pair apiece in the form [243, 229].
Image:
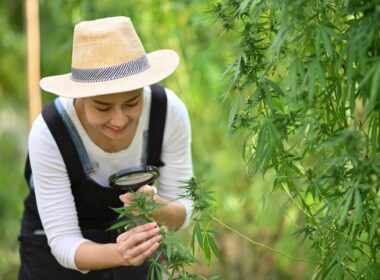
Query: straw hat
[108, 57]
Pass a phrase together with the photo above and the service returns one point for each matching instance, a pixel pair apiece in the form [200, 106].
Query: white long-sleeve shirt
[55, 201]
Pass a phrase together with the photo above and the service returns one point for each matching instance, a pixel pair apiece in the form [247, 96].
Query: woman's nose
[119, 118]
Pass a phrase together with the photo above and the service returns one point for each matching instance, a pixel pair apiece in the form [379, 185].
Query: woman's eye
[132, 104]
[103, 109]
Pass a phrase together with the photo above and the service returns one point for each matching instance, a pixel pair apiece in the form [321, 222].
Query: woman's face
[114, 115]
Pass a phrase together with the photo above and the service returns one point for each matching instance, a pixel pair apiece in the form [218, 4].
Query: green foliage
[11, 190]
[306, 80]
[172, 257]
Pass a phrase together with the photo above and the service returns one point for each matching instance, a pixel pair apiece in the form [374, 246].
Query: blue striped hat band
[91, 75]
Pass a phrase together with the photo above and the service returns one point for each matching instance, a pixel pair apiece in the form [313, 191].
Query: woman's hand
[127, 197]
[171, 213]
[137, 244]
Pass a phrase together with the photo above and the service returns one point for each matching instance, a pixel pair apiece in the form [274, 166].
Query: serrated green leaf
[193, 241]
[169, 249]
[256, 96]
[347, 201]
[243, 6]
[119, 210]
[206, 250]
[233, 111]
[326, 43]
[358, 212]
[275, 87]
[374, 224]
[317, 43]
[293, 80]
[311, 82]
[375, 90]
[321, 75]
[158, 273]
[151, 272]
[268, 97]
[119, 224]
[214, 248]
[198, 232]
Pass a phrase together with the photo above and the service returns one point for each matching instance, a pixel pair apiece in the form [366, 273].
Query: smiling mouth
[116, 130]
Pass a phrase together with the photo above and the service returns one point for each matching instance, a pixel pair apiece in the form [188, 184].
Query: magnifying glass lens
[133, 179]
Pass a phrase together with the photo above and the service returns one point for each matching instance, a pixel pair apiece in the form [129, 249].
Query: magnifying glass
[131, 179]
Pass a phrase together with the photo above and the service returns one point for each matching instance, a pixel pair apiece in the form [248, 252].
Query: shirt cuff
[188, 204]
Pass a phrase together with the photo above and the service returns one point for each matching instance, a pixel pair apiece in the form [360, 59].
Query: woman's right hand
[137, 244]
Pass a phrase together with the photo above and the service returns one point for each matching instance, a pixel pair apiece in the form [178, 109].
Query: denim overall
[92, 201]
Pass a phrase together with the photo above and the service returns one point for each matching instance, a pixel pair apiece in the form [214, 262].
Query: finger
[147, 189]
[140, 237]
[144, 255]
[127, 248]
[144, 246]
[126, 198]
[140, 228]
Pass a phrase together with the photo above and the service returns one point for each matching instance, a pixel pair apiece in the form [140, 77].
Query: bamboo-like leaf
[375, 89]
[119, 224]
[373, 224]
[347, 201]
[326, 42]
[158, 273]
[169, 250]
[151, 272]
[243, 6]
[256, 95]
[274, 86]
[317, 43]
[214, 248]
[120, 210]
[268, 97]
[192, 243]
[206, 249]
[321, 75]
[311, 82]
[293, 80]
[367, 77]
[358, 212]
[233, 111]
[198, 233]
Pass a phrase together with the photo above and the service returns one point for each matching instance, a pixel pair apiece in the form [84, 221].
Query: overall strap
[157, 120]
[27, 169]
[64, 142]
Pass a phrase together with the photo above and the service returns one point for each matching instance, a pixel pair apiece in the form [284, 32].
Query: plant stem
[259, 244]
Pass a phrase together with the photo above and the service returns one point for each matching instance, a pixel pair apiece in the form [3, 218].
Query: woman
[109, 116]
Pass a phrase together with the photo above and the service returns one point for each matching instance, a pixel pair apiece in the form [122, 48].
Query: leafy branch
[172, 257]
[305, 89]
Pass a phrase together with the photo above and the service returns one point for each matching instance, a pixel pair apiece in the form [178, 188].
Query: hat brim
[162, 64]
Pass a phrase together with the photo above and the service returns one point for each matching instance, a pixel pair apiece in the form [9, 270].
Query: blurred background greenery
[244, 202]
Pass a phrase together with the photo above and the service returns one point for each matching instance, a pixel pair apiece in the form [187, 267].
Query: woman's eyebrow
[101, 102]
[110, 103]
[133, 98]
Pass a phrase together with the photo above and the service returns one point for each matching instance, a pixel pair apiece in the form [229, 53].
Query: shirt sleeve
[176, 154]
[55, 201]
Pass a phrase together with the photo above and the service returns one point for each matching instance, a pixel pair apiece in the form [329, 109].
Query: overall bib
[92, 202]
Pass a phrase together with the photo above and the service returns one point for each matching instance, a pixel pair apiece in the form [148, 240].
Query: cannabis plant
[173, 258]
[305, 92]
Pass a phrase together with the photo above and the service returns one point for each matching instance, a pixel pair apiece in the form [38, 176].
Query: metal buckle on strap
[39, 232]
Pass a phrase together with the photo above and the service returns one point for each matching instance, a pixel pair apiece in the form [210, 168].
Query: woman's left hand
[127, 197]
